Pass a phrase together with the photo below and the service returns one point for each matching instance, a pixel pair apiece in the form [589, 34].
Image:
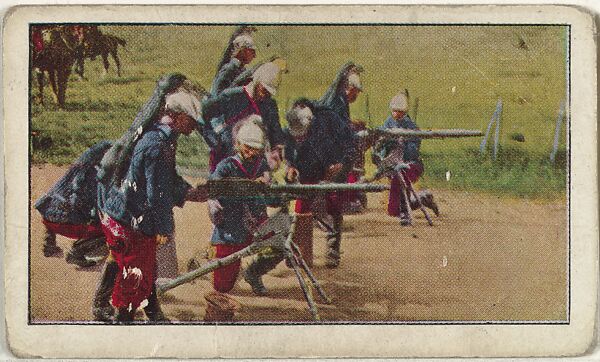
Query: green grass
[482, 63]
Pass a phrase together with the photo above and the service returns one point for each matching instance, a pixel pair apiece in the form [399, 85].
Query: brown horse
[96, 43]
[53, 52]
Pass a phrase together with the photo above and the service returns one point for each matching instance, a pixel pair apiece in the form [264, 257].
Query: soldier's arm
[180, 190]
[211, 108]
[159, 197]
[225, 77]
[273, 124]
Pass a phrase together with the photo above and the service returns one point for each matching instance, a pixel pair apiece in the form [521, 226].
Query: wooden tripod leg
[312, 307]
[309, 273]
[404, 191]
[412, 191]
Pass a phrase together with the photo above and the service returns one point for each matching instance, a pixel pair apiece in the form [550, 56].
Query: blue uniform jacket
[341, 106]
[151, 187]
[329, 141]
[412, 145]
[233, 229]
[226, 75]
[222, 112]
[72, 200]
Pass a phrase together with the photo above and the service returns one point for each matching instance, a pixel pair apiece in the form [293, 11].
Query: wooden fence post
[489, 128]
[497, 134]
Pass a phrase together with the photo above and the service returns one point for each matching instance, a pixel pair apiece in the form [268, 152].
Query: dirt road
[486, 258]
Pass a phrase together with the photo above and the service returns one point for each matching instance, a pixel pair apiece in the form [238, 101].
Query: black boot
[334, 240]
[82, 247]
[259, 267]
[50, 247]
[153, 310]
[125, 316]
[101, 307]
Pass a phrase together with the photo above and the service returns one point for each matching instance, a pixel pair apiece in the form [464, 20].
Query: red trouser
[396, 197]
[351, 196]
[224, 277]
[135, 254]
[333, 202]
[214, 157]
[72, 231]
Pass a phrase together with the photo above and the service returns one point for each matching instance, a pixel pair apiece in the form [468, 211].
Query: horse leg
[105, 63]
[40, 80]
[52, 78]
[80, 66]
[63, 80]
[115, 56]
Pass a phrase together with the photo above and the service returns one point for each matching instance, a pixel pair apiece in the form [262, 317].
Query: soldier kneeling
[236, 219]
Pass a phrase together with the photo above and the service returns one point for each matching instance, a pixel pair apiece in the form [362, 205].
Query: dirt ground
[485, 259]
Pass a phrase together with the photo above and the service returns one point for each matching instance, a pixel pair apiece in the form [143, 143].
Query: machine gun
[372, 135]
[240, 188]
[277, 232]
[393, 163]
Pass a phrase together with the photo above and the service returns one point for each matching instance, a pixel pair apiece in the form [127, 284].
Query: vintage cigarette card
[300, 181]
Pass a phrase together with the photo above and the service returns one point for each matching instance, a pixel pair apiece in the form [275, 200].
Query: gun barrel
[327, 187]
[438, 133]
[232, 187]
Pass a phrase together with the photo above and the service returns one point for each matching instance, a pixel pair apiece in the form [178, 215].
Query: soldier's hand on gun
[291, 175]
[197, 194]
[161, 239]
[275, 156]
[332, 171]
[265, 178]
[215, 211]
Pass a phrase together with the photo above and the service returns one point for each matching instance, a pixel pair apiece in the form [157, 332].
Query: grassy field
[480, 63]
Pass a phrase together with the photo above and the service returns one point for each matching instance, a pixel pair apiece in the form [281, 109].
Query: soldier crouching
[69, 209]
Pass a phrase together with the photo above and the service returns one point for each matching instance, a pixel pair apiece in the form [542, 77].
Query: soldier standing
[345, 90]
[239, 53]
[223, 112]
[138, 214]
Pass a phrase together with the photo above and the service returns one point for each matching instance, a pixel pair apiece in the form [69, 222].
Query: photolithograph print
[201, 171]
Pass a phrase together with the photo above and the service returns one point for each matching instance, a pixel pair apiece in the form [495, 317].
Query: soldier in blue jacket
[344, 90]
[69, 208]
[236, 219]
[409, 148]
[138, 214]
[240, 52]
[221, 113]
[320, 145]
[318, 148]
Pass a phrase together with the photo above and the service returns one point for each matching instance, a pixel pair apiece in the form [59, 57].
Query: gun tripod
[408, 191]
[277, 233]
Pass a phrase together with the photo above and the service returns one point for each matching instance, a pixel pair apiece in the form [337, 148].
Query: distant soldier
[223, 112]
[239, 53]
[236, 220]
[137, 214]
[408, 152]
